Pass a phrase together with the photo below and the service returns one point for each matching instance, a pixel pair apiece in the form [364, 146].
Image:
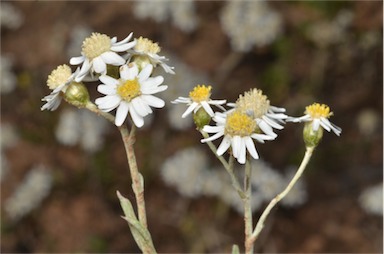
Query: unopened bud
[77, 94]
[141, 61]
[201, 118]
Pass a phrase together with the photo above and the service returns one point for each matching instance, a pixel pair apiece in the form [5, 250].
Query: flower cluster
[124, 69]
[251, 118]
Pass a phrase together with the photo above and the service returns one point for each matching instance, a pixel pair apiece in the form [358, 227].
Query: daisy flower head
[98, 50]
[200, 96]
[239, 130]
[316, 118]
[258, 107]
[132, 93]
[146, 52]
[59, 81]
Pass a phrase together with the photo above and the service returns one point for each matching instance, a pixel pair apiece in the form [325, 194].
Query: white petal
[224, 145]
[242, 153]
[122, 47]
[99, 65]
[107, 90]
[153, 101]
[212, 129]
[182, 100]
[262, 137]
[207, 108]
[315, 124]
[137, 120]
[152, 82]
[236, 142]
[251, 147]
[272, 123]
[211, 138]
[112, 58]
[107, 102]
[277, 109]
[121, 113]
[277, 116]
[84, 70]
[265, 128]
[131, 72]
[109, 80]
[77, 60]
[190, 109]
[146, 72]
[126, 39]
[139, 106]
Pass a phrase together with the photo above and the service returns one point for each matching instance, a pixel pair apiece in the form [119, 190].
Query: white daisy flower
[98, 50]
[318, 115]
[238, 130]
[199, 97]
[145, 52]
[131, 93]
[58, 81]
[257, 106]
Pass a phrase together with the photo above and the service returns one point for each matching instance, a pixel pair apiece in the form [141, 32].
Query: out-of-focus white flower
[132, 93]
[29, 194]
[78, 34]
[371, 199]
[250, 23]
[98, 50]
[325, 33]
[146, 52]
[9, 136]
[199, 97]
[67, 131]
[8, 79]
[368, 121]
[185, 171]
[10, 17]
[238, 130]
[298, 194]
[81, 127]
[182, 13]
[318, 116]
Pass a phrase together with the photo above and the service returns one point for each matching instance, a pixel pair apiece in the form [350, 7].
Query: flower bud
[141, 61]
[201, 118]
[77, 94]
[312, 137]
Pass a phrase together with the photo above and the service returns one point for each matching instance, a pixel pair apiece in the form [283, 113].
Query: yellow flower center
[316, 111]
[253, 103]
[59, 76]
[239, 124]
[129, 89]
[146, 46]
[200, 93]
[95, 45]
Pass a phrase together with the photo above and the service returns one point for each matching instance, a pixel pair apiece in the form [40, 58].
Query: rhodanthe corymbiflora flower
[199, 97]
[132, 93]
[146, 52]
[239, 130]
[258, 107]
[317, 115]
[58, 81]
[316, 118]
[98, 50]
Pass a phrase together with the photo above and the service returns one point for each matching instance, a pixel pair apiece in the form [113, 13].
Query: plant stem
[227, 165]
[263, 217]
[247, 208]
[137, 179]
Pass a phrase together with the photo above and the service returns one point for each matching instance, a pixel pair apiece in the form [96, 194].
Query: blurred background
[60, 170]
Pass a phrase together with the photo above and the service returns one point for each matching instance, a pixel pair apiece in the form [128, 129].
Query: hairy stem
[280, 196]
[247, 208]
